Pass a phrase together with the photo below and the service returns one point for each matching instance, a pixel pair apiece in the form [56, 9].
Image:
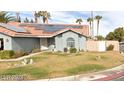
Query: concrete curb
[96, 76]
[111, 77]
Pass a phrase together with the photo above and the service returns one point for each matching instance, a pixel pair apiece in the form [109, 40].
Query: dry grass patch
[59, 64]
[84, 68]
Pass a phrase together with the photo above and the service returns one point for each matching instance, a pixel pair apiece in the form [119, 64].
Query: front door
[1, 44]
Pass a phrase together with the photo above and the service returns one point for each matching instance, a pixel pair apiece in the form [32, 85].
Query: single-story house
[27, 36]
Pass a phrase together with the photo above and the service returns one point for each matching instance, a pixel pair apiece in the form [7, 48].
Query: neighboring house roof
[41, 30]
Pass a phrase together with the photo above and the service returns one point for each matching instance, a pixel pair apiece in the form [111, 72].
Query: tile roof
[13, 28]
[41, 30]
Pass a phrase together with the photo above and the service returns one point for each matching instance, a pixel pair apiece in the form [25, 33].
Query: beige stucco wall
[92, 45]
[95, 45]
[115, 43]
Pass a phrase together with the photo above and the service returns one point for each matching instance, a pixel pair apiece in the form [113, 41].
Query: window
[70, 42]
[60, 35]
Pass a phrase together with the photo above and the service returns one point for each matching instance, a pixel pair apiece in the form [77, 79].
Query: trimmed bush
[110, 47]
[65, 50]
[73, 50]
[6, 54]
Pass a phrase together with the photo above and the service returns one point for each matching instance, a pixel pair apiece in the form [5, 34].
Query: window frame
[70, 42]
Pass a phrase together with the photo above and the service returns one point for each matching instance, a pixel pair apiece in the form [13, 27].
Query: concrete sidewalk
[105, 75]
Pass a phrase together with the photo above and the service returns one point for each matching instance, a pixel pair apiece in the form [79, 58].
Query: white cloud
[66, 17]
[110, 20]
[62, 17]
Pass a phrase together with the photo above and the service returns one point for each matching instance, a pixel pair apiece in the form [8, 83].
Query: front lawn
[50, 65]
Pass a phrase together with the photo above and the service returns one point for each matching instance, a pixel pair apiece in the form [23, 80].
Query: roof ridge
[56, 24]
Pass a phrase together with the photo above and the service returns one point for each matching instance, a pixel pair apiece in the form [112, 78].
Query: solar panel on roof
[10, 27]
[52, 27]
[57, 27]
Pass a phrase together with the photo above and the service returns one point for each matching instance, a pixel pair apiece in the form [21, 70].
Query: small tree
[19, 20]
[73, 50]
[26, 20]
[110, 47]
[31, 21]
[118, 34]
[110, 36]
[100, 37]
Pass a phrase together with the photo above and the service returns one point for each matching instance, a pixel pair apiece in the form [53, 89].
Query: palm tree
[79, 21]
[45, 16]
[98, 18]
[17, 16]
[90, 20]
[19, 19]
[26, 20]
[92, 16]
[31, 21]
[36, 16]
[5, 17]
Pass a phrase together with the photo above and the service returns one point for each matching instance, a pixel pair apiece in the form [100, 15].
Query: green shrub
[110, 47]
[65, 50]
[20, 54]
[100, 37]
[35, 50]
[73, 50]
[84, 68]
[6, 54]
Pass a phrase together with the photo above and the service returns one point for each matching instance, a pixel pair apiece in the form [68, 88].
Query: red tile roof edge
[46, 34]
[56, 24]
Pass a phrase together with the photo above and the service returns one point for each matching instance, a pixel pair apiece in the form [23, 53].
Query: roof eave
[70, 30]
[36, 36]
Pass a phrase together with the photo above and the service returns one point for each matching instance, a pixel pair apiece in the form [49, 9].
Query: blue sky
[110, 20]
